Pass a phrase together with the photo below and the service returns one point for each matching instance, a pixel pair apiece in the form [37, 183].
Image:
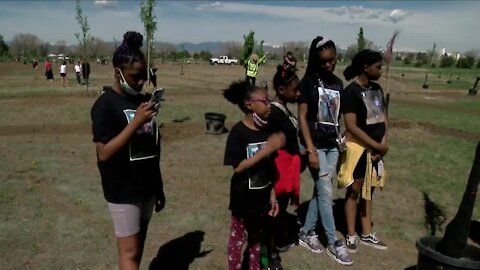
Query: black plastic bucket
[215, 123]
[429, 259]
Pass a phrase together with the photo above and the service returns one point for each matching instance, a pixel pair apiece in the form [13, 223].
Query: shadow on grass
[180, 252]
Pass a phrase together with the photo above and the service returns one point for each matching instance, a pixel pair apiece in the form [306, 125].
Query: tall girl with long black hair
[318, 111]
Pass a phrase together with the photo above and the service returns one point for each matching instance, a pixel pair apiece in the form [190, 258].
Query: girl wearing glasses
[318, 111]
[249, 150]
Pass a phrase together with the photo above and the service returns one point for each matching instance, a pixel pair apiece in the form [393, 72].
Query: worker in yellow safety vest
[252, 67]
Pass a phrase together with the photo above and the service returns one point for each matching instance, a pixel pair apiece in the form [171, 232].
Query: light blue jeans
[321, 203]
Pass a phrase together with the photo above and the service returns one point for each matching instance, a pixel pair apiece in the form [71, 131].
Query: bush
[447, 61]
[419, 64]
[433, 65]
[407, 61]
[478, 64]
[465, 62]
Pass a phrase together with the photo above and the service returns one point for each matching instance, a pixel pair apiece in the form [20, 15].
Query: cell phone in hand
[157, 96]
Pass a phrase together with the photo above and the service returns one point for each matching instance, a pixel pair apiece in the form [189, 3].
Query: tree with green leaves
[25, 45]
[147, 14]
[3, 49]
[447, 61]
[3, 46]
[84, 38]
[248, 45]
[361, 43]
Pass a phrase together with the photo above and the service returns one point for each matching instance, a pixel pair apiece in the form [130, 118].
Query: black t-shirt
[132, 174]
[287, 65]
[321, 125]
[280, 121]
[250, 189]
[369, 106]
[86, 70]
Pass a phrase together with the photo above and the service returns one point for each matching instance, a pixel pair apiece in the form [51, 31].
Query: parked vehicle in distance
[224, 60]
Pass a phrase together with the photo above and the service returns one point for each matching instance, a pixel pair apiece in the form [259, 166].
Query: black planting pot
[430, 259]
[215, 123]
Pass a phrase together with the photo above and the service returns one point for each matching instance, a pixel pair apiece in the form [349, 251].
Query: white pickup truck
[223, 60]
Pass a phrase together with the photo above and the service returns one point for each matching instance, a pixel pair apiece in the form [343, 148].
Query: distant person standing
[35, 64]
[78, 72]
[86, 71]
[289, 61]
[63, 73]
[252, 67]
[48, 70]
[153, 76]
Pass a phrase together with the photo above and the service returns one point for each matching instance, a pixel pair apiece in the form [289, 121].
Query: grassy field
[53, 214]
[460, 78]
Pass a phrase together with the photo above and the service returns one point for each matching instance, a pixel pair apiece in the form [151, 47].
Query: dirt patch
[180, 131]
[436, 130]
[82, 128]
[397, 123]
[460, 134]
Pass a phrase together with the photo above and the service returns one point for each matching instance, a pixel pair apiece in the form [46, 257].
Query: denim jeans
[321, 203]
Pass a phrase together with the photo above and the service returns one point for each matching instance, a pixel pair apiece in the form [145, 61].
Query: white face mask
[126, 87]
[258, 121]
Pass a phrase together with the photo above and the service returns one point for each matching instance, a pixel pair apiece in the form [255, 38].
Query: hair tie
[322, 42]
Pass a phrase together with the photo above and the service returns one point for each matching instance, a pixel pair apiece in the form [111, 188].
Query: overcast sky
[450, 24]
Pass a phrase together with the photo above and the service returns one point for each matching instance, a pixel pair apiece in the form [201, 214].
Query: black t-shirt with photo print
[322, 129]
[132, 174]
[250, 189]
[285, 122]
[369, 106]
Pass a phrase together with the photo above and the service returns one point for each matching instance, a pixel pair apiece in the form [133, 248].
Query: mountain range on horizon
[214, 47]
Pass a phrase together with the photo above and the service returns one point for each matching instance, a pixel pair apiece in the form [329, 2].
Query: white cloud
[342, 14]
[397, 15]
[105, 3]
[210, 6]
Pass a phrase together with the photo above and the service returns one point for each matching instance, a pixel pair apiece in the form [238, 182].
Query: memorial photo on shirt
[375, 108]
[328, 105]
[144, 142]
[258, 177]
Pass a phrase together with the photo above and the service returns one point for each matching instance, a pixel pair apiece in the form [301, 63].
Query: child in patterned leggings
[249, 150]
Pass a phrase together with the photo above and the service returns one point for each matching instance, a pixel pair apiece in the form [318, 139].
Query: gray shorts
[126, 217]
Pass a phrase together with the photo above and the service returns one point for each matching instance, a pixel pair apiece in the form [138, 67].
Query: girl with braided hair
[287, 161]
[128, 151]
[318, 111]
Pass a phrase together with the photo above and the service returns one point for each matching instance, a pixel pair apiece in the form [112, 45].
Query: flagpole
[388, 59]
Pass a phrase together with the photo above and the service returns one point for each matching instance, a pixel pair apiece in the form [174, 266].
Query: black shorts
[63, 74]
[360, 169]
